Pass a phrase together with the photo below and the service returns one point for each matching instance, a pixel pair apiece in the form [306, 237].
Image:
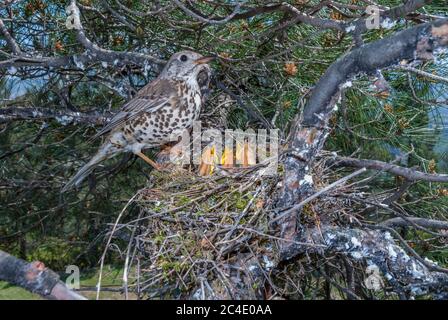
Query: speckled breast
[166, 124]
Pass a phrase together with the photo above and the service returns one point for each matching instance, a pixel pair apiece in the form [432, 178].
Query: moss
[239, 200]
[182, 200]
[159, 239]
[168, 266]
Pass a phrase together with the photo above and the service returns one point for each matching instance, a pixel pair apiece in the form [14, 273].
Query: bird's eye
[183, 58]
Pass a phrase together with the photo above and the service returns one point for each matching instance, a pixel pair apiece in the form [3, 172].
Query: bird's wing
[130, 111]
[149, 99]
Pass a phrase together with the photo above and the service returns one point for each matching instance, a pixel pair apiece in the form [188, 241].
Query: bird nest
[190, 227]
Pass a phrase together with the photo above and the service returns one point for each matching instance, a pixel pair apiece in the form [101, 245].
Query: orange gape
[208, 161]
[244, 156]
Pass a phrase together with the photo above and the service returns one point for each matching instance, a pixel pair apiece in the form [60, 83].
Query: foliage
[271, 68]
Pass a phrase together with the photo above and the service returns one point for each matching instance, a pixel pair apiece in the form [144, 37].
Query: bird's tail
[85, 170]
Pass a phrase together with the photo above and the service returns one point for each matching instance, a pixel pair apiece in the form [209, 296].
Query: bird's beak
[204, 59]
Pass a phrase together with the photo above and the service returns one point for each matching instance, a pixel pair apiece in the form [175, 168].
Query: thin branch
[307, 19]
[104, 54]
[423, 222]
[165, 9]
[256, 11]
[205, 20]
[357, 27]
[7, 3]
[410, 174]
[423, 73]
[62, 116]
[94, 54]
[318, 194]
[119, 16]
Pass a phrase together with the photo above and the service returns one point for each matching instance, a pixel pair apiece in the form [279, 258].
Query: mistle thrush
[161, 110]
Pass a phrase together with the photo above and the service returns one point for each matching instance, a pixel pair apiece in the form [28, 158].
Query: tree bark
[311, 129]
[34, 277]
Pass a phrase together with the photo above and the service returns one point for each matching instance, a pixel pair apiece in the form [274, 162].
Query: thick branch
[109, 55]
[34, 277]
[392, 14]
[357, 27]
[407, 45]
[404, 272]
[408, 173]
[9, 39]
[310, 131]
[94, 54]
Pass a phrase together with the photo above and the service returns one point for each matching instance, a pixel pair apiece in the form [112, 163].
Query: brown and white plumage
[159, 112]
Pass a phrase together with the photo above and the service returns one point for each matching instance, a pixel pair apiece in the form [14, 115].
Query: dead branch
[62, 116]
[203, 19]
[423, 222]
[34, 277]
[318, 194]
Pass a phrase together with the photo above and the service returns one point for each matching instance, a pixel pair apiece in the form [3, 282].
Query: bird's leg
[149, 161]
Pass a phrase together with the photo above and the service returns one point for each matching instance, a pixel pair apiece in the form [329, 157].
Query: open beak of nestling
[204, 60]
